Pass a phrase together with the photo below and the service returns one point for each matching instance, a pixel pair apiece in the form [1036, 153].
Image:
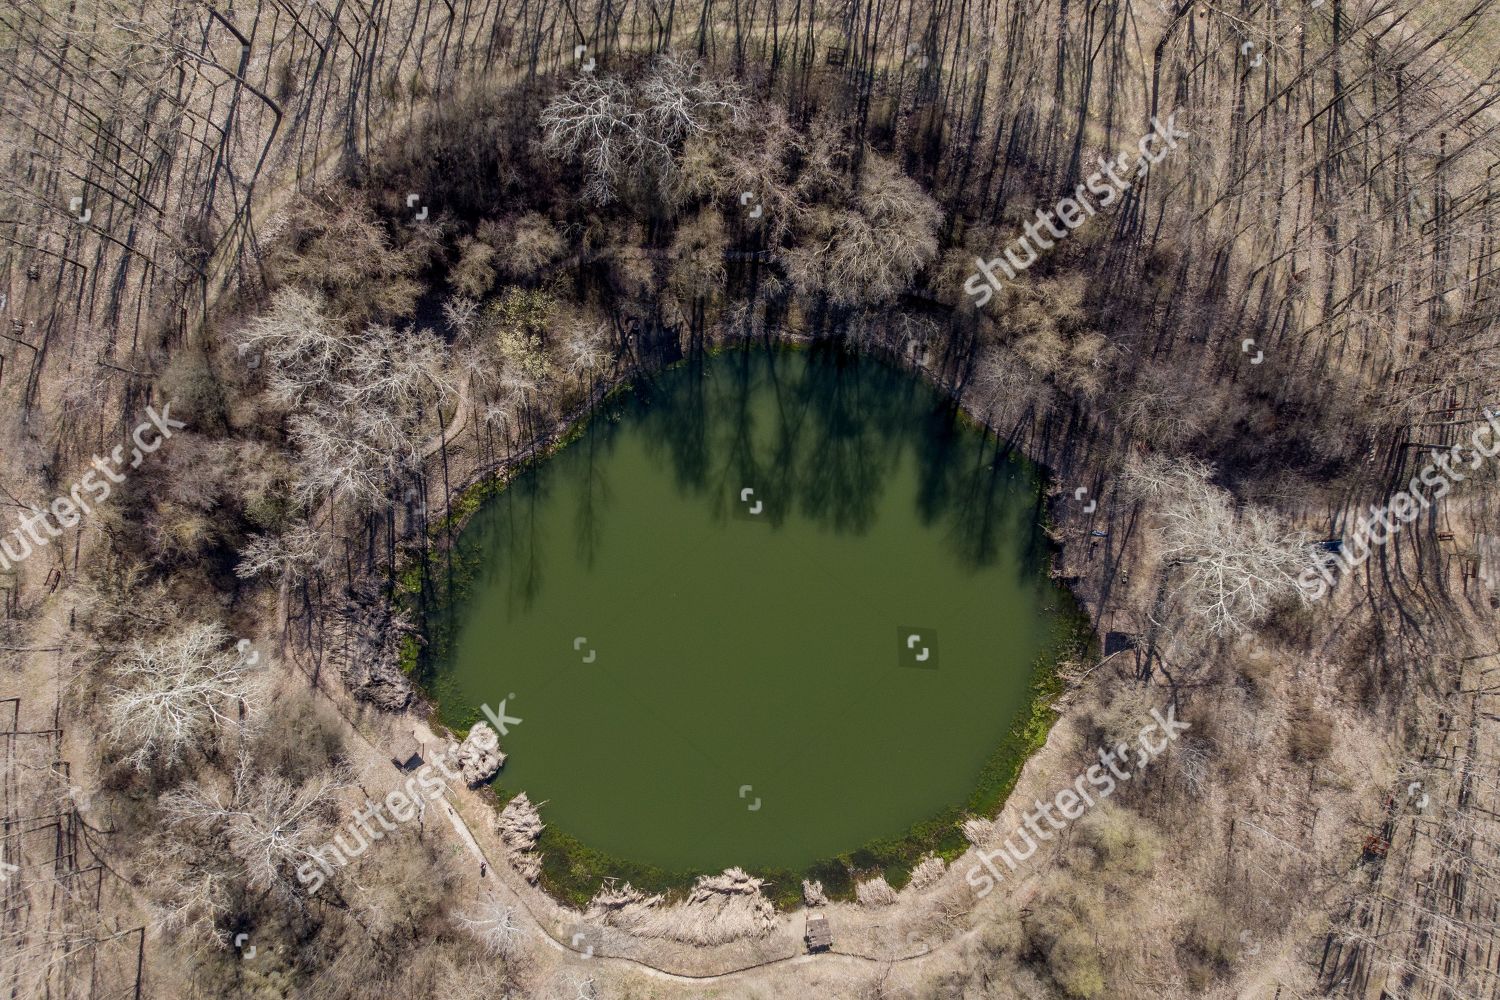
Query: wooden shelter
[408, 755]
[818, 935]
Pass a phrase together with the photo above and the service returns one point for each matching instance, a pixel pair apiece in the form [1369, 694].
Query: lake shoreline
[938, 836]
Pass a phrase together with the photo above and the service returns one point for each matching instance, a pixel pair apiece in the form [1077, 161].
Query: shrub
[698, 257]
[1208, 947]
[474, 274]
[1000, 937]
[1257, 668]
[1121, 840]
[1066, 932]
[1075, 963]
[1121, 718]
[297, 739]
[520, 319]
[527, 246]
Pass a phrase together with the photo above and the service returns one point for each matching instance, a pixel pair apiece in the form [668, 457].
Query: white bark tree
[676, 102]
[173, 694]
[495, 926]
[594, 122]
[622, 133]
[250, 833]
[360, 397]
[1228, 566]
[267, 825]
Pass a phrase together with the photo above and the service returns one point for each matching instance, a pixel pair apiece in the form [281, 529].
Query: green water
[771, 649]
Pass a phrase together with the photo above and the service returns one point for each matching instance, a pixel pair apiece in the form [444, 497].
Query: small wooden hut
[408, 755]
[818, 935]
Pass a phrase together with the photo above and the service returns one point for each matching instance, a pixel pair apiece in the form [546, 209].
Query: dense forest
[352, 264]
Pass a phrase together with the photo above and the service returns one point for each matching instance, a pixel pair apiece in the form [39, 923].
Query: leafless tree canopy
[381, 256]
[172, 696]
[1231, 564]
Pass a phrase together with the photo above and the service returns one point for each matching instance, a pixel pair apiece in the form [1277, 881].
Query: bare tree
[1007, 385]
[299, 343]
[268, 825]
[459, 312]
[584, 351]
[620, 133]
[527, 245]
[870, 251]
[677, 102]
[246, 831]
[1233, 564]
[495, 927]
[593, 121]
[360, 397]
[1163, 409]
[579, 986]
[171, 695]
[297, 551]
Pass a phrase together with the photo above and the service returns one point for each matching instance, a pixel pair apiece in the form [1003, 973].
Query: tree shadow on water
[851, 440]
[816, 433]
[599, 439]
[734, 385]
[509, 546]
[675, 413]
